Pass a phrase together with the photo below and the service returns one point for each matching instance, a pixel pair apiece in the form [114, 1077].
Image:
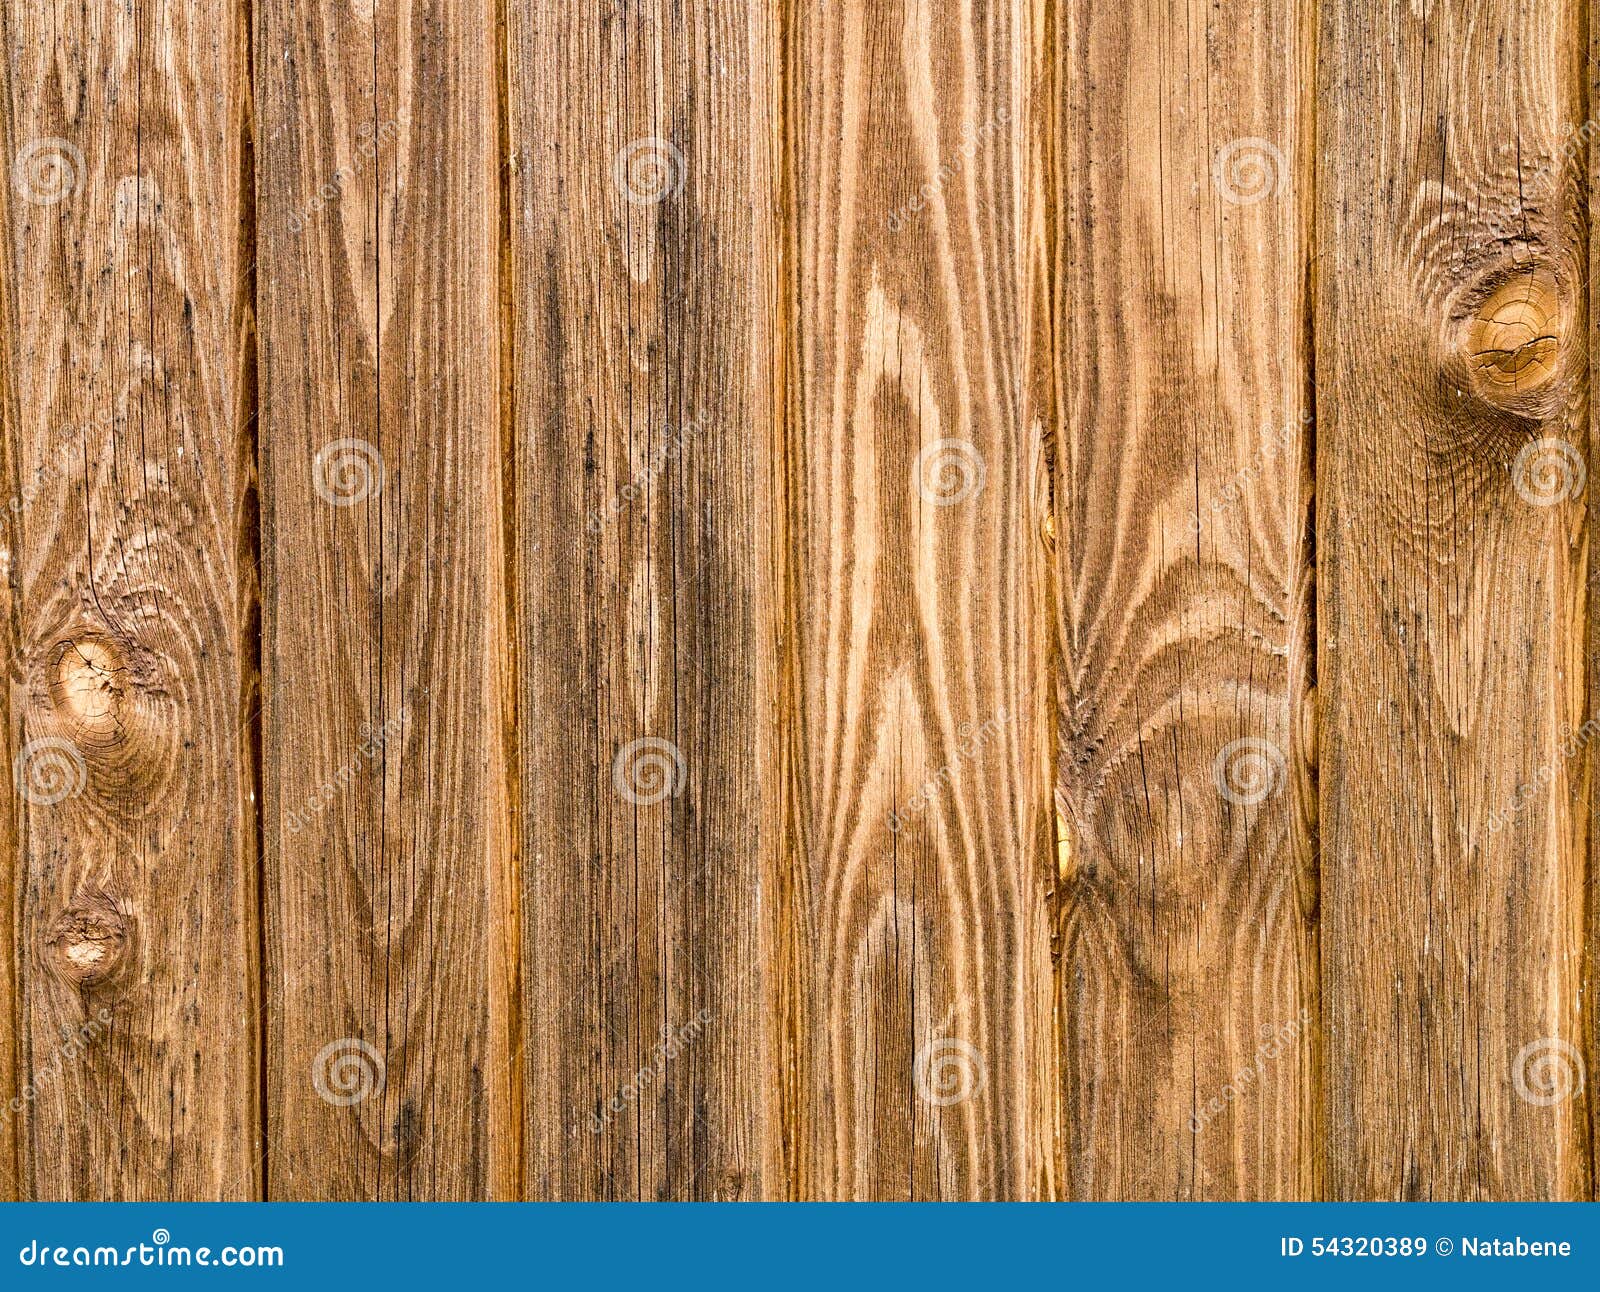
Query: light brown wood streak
[1187, 948]
[922, 820]
[388, 834]
[645, 310]
[129, 343]
[1453, 543]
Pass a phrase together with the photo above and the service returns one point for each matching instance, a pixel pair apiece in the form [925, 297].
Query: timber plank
[1187, 943]
[918, 711]
[389, 987]
[1452, 367]
[128, 362]
[644, 268]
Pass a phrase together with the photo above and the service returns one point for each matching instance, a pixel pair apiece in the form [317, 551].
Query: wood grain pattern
[915, 468]
[643, 248]
[1452, 367]
[390, 979]
[848, 599]
[129, 556]
[1188, 971]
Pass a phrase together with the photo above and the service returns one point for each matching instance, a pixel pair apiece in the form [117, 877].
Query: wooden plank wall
[757, 599]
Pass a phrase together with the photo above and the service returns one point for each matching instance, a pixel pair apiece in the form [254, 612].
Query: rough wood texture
[1188, 954]
[644, 251]
[387, 813]
[922, 822]
[1453, 419]
[856, 599]
[129, 558]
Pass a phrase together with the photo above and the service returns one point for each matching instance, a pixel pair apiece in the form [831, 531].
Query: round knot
[1513, 341]
[88, 941]
[88, 682]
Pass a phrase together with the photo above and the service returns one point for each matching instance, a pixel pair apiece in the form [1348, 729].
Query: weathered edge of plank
[11, 677]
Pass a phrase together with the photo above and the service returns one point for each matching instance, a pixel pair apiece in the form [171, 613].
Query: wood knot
[87, 686]
[1514, 340]
[88, 942]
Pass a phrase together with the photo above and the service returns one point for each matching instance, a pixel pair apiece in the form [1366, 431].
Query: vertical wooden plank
[130, 555]
[644, 270]
[1188, 973]
[1451, 471]
[388, 847]
[917, 495]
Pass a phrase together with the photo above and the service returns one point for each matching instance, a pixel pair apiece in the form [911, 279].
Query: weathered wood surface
[813, 599]
[644, 256]
[390, 1052]
[1182, 490]
[130, 558]
[919, 715]
[1452, 455]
